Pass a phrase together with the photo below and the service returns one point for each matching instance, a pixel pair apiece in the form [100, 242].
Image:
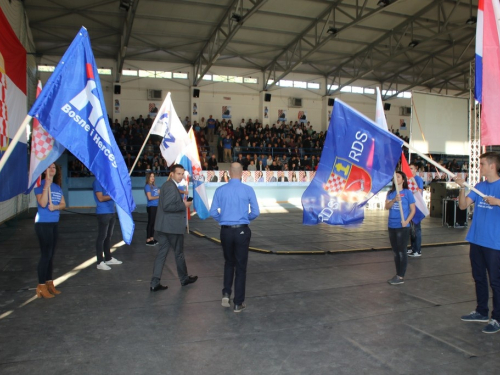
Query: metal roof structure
[399, 44]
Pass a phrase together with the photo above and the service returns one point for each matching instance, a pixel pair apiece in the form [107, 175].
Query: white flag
[168, 125]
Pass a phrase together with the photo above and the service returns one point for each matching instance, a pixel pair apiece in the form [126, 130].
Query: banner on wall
[302, 117]
[195, 109]
[226, 111]
[282, 115]
[402, 124]
[152, 110]
[14, 175]
[266, 112]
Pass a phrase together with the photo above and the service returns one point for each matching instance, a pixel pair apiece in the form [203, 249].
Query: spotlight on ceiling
[332, 31]
[383, 3]
[413, 43]
[236, 17]
[125, 5]
[471, 21]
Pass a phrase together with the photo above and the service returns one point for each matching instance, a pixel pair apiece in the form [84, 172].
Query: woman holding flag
[401, 205]
[50, 201]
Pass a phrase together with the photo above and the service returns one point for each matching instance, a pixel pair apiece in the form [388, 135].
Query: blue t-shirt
[154, 193]
[44, 215]
[107, 207]
[485, 223]
[211, 123]
[419, 182]
[407, 198]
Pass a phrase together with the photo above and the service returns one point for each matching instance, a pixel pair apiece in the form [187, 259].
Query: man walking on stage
[230, 208]
[170, 226]
[484, 240]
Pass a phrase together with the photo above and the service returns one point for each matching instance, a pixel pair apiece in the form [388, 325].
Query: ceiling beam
[125, 38]
[236, 15]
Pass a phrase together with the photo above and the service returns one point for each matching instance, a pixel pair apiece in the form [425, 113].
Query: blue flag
[357, 161]
[71, 108]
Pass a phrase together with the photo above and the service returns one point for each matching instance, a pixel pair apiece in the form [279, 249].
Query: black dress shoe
[190, 280]
[158, 287]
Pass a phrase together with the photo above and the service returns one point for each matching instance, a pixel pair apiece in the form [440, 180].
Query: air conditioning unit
[405, 111]
[295, 102]
[154, 94]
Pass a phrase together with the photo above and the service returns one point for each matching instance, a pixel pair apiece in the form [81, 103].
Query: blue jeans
[486, 262]
[416, 241]
[235, 242]
[399, 242]
[106, 224]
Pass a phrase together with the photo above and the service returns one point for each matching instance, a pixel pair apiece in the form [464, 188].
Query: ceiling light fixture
[413, 43]
[471, 21]
[236, 17]
[332, 31]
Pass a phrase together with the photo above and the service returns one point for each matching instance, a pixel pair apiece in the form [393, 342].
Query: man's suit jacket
[171, 214]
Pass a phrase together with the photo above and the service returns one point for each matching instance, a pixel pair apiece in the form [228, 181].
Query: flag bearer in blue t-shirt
[485, 240]
[106, 219]
[152, 195]
[399, 228]
[50, 201]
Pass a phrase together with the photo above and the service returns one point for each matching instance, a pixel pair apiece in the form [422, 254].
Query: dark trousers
[106, 224]
[399, 242]
[486, 262]
[47, 236]
[150, 229]
[166, 241]
[235, 242]
[416, 241]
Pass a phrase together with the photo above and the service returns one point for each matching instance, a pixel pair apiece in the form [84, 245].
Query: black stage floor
[307, 314]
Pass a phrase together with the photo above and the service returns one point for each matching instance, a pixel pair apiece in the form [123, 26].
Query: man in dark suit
[170, 225]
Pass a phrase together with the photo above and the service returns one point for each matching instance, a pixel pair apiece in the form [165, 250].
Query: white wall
[246, 100]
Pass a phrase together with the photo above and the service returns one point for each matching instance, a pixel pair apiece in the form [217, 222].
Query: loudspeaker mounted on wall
[118, 89]
[267, 97]
[330, 102]
[196, 93]
[387, 106]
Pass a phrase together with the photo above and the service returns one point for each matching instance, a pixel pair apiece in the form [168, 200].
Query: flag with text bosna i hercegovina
[71, 108]
[357, 161]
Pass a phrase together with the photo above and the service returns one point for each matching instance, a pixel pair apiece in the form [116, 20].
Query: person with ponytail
[399, 227]
[50, 201]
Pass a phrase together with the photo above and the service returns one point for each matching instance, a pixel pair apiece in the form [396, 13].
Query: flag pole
[140, 151]
[15, 140]
[399, 202]
[443, 169]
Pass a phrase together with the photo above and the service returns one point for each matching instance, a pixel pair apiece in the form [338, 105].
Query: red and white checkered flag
[334, 184]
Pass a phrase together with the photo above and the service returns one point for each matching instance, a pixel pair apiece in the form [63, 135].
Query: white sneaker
[113, 261]
[103, 266]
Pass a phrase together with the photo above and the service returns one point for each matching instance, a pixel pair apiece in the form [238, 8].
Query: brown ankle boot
[43, 292]
[51, 288]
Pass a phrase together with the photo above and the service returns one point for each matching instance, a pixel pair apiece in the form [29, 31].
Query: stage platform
[331, 313]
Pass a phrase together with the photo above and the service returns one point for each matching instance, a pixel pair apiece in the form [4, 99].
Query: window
[104, 72]
[129, 72]
[207, 77]
[313, 85]
[46, 68]
[369, 91]
[345, 89]
[407, 94]
[333, 87]
[250, 80]
[218, 78]
[357, 89]
[180, 75]
[160, 74]
[270, 81]
[285, 83]
[234, 79]
[147, 73]
[300, 84]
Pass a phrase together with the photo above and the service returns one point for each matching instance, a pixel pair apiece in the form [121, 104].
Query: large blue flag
[71, 108]
[357, 161]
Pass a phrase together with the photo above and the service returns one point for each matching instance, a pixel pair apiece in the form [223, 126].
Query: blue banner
[71, 108]
[357, 161]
